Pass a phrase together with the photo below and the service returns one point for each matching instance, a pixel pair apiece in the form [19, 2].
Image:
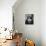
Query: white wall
[6, 13]
[29, 31]
[43, 22]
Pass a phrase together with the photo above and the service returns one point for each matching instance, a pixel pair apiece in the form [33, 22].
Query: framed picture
[29, 18]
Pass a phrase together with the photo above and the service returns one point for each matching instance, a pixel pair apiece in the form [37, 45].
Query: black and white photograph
[29, 18]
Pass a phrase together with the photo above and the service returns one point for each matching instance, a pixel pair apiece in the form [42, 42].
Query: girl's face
[29, 19]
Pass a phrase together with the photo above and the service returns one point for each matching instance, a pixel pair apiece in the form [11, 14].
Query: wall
[6, 13]
[32, 32]
[43, 22]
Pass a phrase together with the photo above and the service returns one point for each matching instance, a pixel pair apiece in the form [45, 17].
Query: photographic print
[29, 18]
